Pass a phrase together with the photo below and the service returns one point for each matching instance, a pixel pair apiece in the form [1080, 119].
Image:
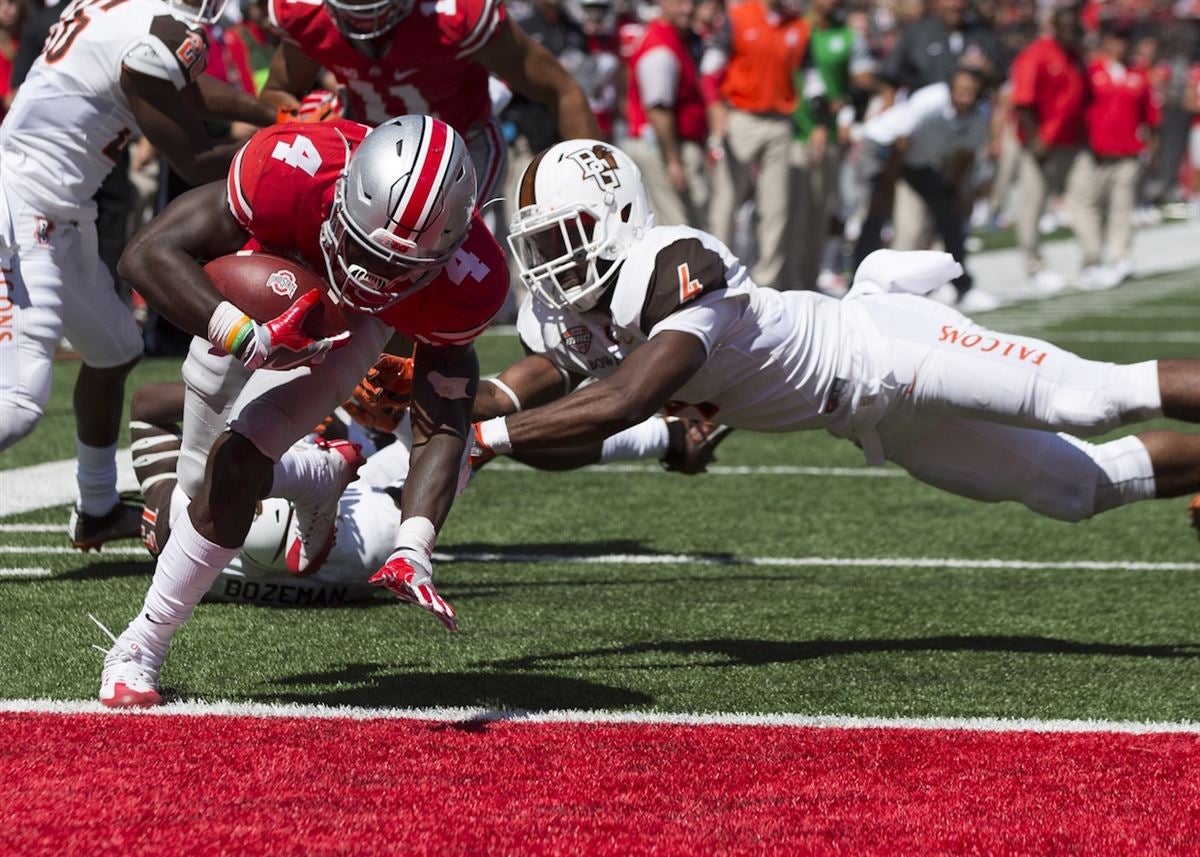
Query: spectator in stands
[549, 24]
[12, 16]
[599, 74]
[1121, 117]
[761, 47]
[249, 46]
[930, 141]
[666, 113]
[837, 59]
[932, 48]
[1049, 94]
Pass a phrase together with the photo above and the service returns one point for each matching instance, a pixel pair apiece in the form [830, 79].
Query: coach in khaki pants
[764, 44]
[1049, 92]
[667, 122]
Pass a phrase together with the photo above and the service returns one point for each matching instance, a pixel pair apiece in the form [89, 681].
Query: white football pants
[271, 409]
[51, 281]
[977, 412]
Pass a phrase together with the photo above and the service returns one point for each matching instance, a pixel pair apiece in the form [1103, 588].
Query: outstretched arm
[291, 76]
[642, 385]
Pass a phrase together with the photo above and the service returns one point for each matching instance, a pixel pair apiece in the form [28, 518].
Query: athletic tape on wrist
[493, 434]
[417, 533]
[228, 327]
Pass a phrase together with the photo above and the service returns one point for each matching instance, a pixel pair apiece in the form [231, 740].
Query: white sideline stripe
[831, 721]
[24, 489]
[719, 470]
[25, 572]
[637, 559]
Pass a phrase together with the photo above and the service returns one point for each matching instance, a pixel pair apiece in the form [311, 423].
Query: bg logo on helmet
[282, 283]
[600, 164]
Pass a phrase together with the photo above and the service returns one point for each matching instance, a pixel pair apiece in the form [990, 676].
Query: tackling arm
[172, 123]
[537, 74]
[640, 387]
[292, 74]
[223, 102]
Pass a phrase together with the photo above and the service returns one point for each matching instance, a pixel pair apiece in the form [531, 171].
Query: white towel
[917, 272]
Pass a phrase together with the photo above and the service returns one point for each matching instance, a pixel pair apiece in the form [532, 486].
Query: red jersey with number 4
[426, 67]
[280, 190]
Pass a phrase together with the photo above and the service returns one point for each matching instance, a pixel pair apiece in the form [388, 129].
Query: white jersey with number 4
[773, 356]
[71, 118]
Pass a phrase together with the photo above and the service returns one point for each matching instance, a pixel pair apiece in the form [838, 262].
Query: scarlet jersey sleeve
[281, 183]
[469, 24]
[462, 300]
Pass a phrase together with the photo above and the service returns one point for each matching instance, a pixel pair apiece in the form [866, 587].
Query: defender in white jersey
[109, 68]
[966, 409]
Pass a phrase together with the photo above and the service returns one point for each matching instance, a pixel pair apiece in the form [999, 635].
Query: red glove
[280, 343]
[320, 105]
[409, 576]
[380, 399]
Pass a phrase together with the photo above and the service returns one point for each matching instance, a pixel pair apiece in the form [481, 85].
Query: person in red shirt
[667, 122]
[389, 215]
[1121, 117]
[1049, 94]
[12, 14]
[398, 56]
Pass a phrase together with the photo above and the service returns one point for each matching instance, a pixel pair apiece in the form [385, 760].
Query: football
[263, 285]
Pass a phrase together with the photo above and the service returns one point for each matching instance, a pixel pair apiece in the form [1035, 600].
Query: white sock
[1135, 390]
[186, 569]
[647, 439]
[297, 475]
[96, 473]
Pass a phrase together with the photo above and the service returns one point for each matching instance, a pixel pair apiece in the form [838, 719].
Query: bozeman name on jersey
[71, 118]
[772, 357]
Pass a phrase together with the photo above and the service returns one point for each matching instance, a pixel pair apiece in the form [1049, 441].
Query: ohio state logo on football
[282, 283]
[600, 164]
[578, 339]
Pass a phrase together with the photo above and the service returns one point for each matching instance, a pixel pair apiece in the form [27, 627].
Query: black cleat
[692, 445]
[122, 521]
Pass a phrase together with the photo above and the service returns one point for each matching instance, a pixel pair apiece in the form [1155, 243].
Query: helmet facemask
[563, 254]
[371, 273]
[362, 22]
[201, 12]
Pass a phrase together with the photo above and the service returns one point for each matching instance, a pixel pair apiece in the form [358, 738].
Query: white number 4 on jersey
[301, 154]
[466, 264]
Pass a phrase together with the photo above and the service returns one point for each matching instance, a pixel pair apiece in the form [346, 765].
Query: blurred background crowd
[806, 133]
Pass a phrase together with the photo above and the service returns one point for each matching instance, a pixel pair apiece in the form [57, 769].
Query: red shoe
[315, 528]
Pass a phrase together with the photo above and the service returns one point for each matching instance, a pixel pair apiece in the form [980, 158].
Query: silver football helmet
[367, 19]
[581, 206]
[401, 209]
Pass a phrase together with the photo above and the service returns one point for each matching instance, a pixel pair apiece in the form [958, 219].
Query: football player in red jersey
[390, 215]
[433, 56]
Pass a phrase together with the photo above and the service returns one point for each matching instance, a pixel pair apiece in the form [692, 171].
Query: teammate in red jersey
[390, 215]
[401, 56]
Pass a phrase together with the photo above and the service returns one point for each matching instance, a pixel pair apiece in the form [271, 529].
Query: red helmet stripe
[423, 189]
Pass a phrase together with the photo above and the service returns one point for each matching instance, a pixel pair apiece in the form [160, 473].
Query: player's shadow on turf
[378, 685]
[727, 652]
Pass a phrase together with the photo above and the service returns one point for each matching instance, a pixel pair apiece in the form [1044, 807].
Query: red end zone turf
[205, 784]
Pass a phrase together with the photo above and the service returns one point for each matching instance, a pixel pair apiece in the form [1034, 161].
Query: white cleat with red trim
[130, 676]
[315, 527]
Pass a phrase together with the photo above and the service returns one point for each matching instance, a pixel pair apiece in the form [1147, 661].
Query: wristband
[494, 435]
[229, 327]
[417, 533]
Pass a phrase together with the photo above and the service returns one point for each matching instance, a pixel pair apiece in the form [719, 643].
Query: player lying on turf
[390, 215]
[107, 70]
[973, 411]
[398, 56]
[368, 514]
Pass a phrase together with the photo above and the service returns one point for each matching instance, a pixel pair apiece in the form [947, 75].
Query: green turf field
[714, 636]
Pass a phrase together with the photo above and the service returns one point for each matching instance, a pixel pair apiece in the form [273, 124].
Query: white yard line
[719, 470]
[832, 721]
[34, 528]
[25, 572]
[643, 559]
[24, 489]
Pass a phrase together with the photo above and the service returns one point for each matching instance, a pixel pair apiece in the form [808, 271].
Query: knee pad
[17, 419]
[1098, 477]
